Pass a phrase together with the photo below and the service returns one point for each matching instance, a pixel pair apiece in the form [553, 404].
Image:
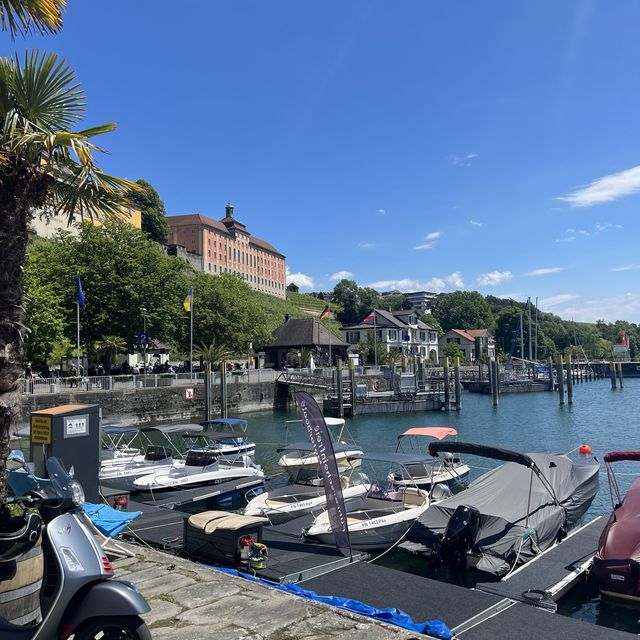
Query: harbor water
[605, 419]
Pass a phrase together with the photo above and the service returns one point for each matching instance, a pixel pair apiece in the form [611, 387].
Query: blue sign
[143, 338]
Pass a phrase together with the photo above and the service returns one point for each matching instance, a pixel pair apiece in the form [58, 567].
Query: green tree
[452, 350]
[44, 168]
[152, 209]
[107, 347]
[27, 16]
[462, 310]
[225, 311]
[346, 294]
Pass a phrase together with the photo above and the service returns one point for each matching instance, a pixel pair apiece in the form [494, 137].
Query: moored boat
[617, 561]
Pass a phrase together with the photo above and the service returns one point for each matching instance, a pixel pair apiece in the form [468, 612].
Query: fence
[37, 386]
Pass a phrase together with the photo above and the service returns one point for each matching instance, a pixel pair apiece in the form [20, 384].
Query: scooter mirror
[72, 471]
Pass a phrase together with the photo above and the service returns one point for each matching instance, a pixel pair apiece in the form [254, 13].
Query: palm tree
[213, 354]
[108, 346]
[26, 16]
[302, 355]
[45, 169]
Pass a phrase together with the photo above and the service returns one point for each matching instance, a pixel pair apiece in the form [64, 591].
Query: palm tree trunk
[18, 190]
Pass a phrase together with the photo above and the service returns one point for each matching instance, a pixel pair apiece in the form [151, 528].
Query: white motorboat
[447, 469]
[301, 455]
[122, 473]
[387, 512]
[200, 467]
[305, 494]
[231, 439]
[118, 444]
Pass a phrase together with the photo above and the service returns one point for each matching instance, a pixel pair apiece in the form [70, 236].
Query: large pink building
[226, 246]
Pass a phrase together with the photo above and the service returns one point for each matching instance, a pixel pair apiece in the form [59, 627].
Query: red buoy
[584, 449]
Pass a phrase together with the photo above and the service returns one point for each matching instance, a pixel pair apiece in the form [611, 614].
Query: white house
[472, 342]
[396, 330]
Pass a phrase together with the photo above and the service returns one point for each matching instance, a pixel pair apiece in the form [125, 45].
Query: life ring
[376, 385]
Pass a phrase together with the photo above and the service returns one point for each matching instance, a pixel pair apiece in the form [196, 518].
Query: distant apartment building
[47, 227]
[227, 247]
[421, 300]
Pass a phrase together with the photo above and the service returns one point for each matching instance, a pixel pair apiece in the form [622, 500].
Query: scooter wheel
[113, 628]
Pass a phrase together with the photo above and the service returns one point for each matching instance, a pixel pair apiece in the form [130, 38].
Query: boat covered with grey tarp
[509, 514]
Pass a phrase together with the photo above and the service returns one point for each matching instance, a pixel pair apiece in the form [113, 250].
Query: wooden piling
[612, 374]
[447, 385]
[339, 388]
[550, 366]
[494, 375]
[570, 373]
[620, 380]
[458, 385]
[560, 375]
[352, 380]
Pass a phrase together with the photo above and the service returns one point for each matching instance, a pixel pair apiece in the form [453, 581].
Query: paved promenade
[190, 602]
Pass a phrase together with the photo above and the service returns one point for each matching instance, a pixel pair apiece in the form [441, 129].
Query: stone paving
[190, 602]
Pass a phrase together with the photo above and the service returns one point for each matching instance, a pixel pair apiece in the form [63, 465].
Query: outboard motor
[460, 535]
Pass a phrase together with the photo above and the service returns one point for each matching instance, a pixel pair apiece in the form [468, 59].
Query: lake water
[605, 419]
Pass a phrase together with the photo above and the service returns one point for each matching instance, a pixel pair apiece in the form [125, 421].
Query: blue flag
[79, 291]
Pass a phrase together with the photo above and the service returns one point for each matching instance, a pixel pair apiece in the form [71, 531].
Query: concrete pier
[192, 602]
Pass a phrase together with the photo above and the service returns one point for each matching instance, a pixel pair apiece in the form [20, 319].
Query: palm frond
[26, 16]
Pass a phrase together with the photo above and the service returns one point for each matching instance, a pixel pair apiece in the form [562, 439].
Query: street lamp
[145, 340]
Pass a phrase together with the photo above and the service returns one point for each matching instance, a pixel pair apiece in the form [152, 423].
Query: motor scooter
[79, 600]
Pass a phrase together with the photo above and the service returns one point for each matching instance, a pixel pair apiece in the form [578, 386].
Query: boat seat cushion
[209, 521]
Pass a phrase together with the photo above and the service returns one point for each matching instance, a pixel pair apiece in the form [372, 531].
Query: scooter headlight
[77, 493]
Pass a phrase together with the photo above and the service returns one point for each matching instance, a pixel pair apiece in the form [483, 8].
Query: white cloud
[605, 189]
[554, 301]
[301, 279]
[606, 225]
[465, 160]
[367, 245]
[430, 240]
[566, 239]
[493, 278]
[381, 212]
[475, 223]
[437, 284]
[544, 271]
[626, 267]
[340, 275]
[610, 309]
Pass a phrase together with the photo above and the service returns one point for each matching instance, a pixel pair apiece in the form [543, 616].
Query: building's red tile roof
[201, 219]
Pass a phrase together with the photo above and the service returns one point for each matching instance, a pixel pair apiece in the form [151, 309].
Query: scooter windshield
[60, 479]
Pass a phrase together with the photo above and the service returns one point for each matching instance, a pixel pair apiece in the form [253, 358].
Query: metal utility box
[405, 385]
[214, 536]
[361, 391]
[71, 433]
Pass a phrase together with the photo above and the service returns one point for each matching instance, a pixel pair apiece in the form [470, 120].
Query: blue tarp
[108, 520]
[434, 628]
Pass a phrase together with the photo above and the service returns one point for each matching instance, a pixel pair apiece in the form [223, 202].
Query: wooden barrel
[20, 583]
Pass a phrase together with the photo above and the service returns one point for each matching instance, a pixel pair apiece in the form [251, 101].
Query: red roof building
[227, 247]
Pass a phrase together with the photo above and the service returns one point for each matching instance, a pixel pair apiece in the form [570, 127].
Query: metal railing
[37, 386]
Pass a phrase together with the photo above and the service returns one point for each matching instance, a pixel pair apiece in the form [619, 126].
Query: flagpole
[78, 333]
[375, 341]
[330, 332]
[191, 340]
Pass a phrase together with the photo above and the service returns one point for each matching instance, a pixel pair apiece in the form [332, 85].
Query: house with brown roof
[396, 330]
[303, 333]
[474, 343]
[227, 247]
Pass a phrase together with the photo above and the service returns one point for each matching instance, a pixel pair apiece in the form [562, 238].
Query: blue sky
[414, 145]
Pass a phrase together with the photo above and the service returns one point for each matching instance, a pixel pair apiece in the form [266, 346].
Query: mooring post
[223, 389]
[569, 379]
[480, 375]
[339, 388]
[612, 374]
[207, 391]
[550, 366]
[494, 375]
[352, 380]
[620, 380]
[447, 385]
[458, 385]
[560, 374]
